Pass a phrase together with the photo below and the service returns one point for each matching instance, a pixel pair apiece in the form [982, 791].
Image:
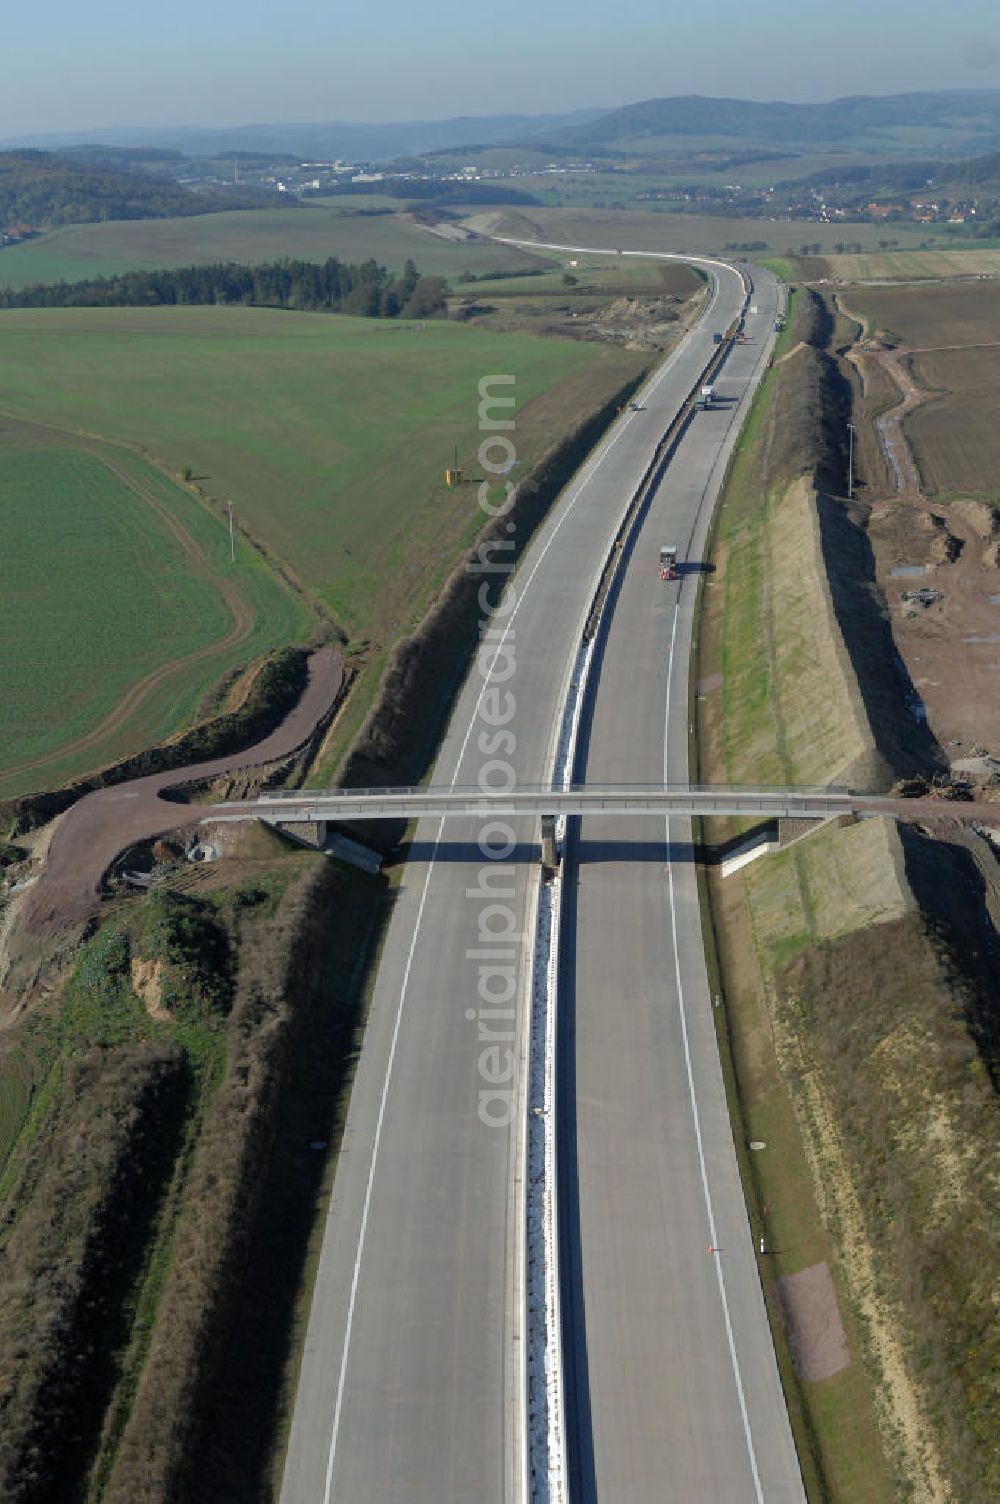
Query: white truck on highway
[668, 562]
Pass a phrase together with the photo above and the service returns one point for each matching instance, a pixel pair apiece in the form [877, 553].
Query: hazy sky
[77, 64]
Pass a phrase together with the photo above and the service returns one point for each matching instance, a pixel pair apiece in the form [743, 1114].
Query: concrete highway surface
[675, 1386]
[410, 1384]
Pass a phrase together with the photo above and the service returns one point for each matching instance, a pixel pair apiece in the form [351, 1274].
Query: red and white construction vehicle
[668, 562]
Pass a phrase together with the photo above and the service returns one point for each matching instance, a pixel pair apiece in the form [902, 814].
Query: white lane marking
[589, 469]
[331, 1457]
[596, 250]
[695, 1114]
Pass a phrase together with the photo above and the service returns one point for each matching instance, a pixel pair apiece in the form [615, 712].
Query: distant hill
[968, 117]
[44, 189]
[327, 142]
[975, 175]
[956, 123]
[981, 172]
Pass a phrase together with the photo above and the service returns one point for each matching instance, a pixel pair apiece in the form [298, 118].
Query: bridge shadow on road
[596, 852]
[586, 853]
[470, 852]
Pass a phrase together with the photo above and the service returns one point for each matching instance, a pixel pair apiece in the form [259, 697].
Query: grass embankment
[617, 300]
[764, 604]
[100, 550]
[159, 1201]
[591, 275]
[837, 986]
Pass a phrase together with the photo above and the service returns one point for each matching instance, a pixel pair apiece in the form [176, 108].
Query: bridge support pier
[550, 851]
[792, 828]
[307, 832]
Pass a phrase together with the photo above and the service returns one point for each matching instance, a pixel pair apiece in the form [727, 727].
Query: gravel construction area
[938, 564]
[812, 1320]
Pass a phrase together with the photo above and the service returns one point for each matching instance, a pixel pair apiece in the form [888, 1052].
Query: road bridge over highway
[289, 807]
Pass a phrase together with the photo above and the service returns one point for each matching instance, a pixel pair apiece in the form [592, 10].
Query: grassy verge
[750, 729]
[780, 266]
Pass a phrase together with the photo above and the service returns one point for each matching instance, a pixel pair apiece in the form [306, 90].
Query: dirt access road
[950, 644]
[99, 826]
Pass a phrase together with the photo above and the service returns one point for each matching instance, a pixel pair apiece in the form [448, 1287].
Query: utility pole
[232, 539]
[850, 461]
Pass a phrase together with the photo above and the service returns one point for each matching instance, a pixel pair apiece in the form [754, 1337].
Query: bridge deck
[298, 806]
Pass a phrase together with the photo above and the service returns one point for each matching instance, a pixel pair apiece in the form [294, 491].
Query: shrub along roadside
[164, 1170]
[67, 1265]
[92, 1185]
[291, 998]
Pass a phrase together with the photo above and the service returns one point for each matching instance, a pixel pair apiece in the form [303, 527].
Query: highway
[676, 1385]
[410, 1384]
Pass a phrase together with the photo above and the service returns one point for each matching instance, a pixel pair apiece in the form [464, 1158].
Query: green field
[653, 230]
[917, 266]
[313, 233]
[330, 434]
[120, 607]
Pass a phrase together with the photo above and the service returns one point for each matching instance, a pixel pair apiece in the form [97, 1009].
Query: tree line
[368, 290]
[39, 188]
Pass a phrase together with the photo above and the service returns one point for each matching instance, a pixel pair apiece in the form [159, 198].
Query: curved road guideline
[410, 1388]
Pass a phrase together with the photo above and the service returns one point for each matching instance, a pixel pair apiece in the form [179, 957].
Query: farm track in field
[242, 626]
